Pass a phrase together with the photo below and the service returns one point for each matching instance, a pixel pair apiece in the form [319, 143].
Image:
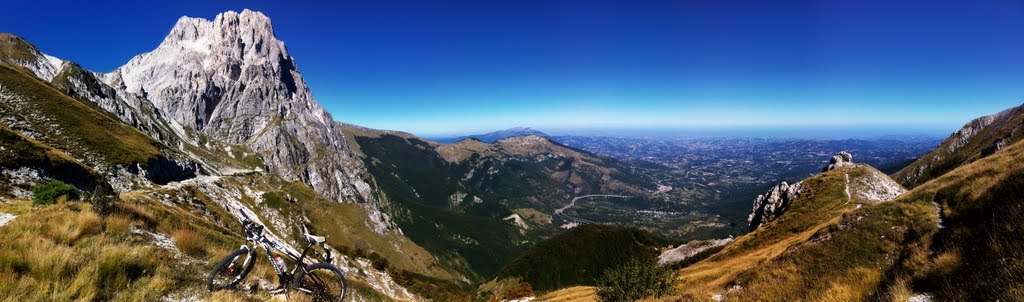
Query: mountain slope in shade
[493, 136]
[232, 80]
[979, 138]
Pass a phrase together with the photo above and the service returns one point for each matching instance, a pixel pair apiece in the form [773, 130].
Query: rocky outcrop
[841, 159]
[772, 204]
[874, 186]
[232, 80]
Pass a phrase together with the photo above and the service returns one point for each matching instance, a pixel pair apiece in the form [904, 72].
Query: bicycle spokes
[320, 285]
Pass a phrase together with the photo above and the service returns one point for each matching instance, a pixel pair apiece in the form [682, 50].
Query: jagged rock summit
[233, 80]
[841, 159]
[772, 204]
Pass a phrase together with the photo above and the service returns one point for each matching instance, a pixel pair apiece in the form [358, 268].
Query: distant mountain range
[491, 137]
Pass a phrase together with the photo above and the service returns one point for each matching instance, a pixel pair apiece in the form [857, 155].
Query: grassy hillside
[17, 151]
[825, 249]
[69, 252]
[977, 255]
[82, 130]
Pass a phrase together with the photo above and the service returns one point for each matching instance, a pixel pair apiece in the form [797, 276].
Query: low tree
[640, 277]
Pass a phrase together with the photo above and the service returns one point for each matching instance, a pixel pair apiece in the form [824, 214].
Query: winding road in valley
[558, 212]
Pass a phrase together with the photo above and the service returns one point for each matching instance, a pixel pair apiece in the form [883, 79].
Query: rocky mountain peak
[231, 79]
[245, 34]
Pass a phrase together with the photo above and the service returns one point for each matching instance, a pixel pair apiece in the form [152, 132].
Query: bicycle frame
[257, 238]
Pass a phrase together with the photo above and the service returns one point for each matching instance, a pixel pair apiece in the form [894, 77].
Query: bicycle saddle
[314, 239]
[310, 238]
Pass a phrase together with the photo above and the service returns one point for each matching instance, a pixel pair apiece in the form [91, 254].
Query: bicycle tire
[304, 278]
[223, 264]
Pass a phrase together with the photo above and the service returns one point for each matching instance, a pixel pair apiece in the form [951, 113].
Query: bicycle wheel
[229, 272]
[319, 282]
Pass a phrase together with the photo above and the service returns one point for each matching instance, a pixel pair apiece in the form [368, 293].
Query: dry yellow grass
[118, 225]
[572, 294]
[59, 253]
[707, 277]
[190, 243]
[66, 252]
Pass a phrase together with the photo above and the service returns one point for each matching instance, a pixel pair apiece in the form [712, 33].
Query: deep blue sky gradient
[445, 67]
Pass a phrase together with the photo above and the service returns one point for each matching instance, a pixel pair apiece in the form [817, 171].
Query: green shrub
[638, 278]
[48, 192]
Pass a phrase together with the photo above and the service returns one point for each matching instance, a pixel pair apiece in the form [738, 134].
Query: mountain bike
[314, 282]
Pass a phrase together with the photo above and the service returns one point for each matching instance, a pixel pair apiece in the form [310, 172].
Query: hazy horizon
[467, 67]
[830, 132]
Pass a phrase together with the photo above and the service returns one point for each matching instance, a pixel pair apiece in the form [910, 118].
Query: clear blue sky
[436, 67]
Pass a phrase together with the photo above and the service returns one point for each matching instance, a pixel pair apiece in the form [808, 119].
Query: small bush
[638, 278]
[48, 192]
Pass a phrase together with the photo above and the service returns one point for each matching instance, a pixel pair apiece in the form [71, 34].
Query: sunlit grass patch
[190, 243]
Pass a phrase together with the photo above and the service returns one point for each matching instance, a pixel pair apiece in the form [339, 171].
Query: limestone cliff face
[231, 79]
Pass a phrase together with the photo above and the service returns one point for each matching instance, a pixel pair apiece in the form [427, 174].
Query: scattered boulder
[771, 205]
[841, 159]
